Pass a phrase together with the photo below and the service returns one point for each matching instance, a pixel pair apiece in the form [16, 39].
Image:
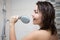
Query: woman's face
[37, 16]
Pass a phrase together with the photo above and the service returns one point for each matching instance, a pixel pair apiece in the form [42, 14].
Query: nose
[33, 15]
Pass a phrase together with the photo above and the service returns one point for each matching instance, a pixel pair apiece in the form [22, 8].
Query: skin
[37, 16]
[35, 35]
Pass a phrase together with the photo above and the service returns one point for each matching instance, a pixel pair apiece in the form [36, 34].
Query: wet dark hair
[48, 13]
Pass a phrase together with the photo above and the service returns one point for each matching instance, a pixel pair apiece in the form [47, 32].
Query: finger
[17, 17]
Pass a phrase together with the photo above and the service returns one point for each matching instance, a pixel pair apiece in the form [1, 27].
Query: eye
[35, 11]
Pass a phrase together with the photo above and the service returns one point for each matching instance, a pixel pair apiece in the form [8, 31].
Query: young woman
[44, 16]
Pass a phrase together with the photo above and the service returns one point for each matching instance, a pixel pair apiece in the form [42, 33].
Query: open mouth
[34, 19]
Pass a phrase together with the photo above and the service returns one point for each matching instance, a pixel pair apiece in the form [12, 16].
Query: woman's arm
[39, 34]
[12, 22]
[12, 32]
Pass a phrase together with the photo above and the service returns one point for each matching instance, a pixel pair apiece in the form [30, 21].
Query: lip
[34, 19]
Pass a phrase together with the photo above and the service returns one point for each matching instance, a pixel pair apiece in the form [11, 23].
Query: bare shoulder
[31, 36]
[38, 34]
[45, 32]
[41, 32]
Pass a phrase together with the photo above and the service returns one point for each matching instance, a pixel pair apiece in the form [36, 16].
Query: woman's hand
[13, 19]
[12, 22]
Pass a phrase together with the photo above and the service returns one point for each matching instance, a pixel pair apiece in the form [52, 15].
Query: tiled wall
[58, 17]
[56, 4]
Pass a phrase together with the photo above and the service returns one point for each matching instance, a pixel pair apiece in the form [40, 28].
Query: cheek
[37, 16]
[40, 19]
